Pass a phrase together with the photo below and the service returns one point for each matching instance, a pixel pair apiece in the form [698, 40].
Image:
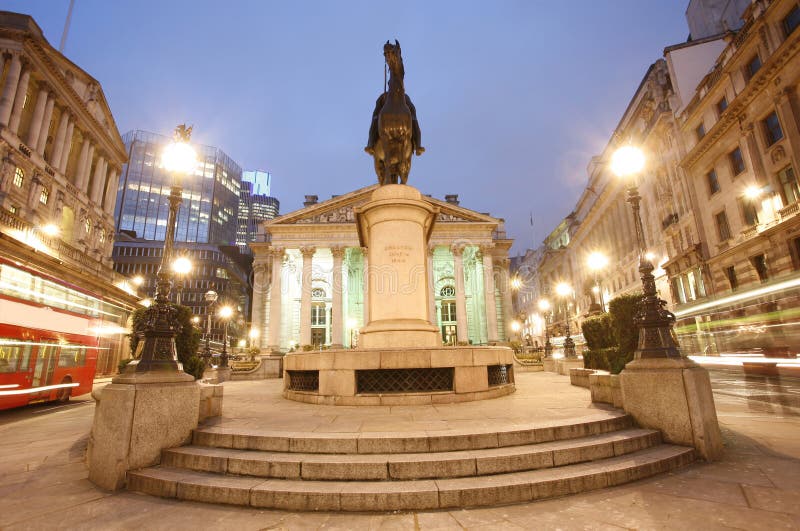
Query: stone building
[309, 278]
[61, 157]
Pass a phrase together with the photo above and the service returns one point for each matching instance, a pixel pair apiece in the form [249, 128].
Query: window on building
[790, 191]
[448, 311]
[318, 314]
[753, 66]
[772, 128]
[448, 291]
[713, 182]
[760, 265]
[19, 177]
[723, 229]
[749, 211]
[730, 273]
[791, 20]
[700, 131]
[44, 196]
[677, 290]
[87, 225]
[737, 162]
[13, 209]
[722, 104]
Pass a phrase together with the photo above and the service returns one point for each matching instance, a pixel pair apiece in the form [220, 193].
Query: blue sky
[513, 97]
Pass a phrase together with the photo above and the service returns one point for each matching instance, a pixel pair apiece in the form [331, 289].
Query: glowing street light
[597, 261]
[181, 266]
[753, 192]
[51, 229]
[138, 280]
[225, 313]
[564, 291]
[656, 337]
[351, 324]
[544, 307]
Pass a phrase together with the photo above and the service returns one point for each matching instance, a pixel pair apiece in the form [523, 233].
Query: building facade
[61, 158]
[310, 277]
[256, 205]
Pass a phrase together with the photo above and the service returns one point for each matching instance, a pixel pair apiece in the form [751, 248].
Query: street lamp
[656, 337]
[544, 307]
[51, 229]
[181, 266]
[225, 314]
[210, 297]
[564, 290]
[596, 262]
[253, 334]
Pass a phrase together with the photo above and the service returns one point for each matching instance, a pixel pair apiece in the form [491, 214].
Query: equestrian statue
[394, 133]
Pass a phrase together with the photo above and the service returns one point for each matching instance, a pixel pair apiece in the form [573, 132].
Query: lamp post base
[569, 349]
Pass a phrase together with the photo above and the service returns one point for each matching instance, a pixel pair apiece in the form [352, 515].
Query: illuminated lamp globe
[752, 192]
[515, 326]
[627, 161]
[516, 283]
[253, 333]
[544, 305]
[597, 261]
[138, 280]
[51, 229]
[563, 289]
[179, 157]
[225, 312]
[182, 265]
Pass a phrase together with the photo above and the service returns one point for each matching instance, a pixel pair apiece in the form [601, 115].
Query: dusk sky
[513, 97]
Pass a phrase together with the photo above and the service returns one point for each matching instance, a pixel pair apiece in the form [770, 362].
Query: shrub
[623, 310]
[308, 348]
[187, 339]
[123, 363]
[598, 332]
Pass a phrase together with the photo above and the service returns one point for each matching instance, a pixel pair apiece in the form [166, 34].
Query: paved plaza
[43, 479]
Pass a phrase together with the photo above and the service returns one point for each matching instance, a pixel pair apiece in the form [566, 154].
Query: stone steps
[410, 442]
[404, 466]
[305, 495]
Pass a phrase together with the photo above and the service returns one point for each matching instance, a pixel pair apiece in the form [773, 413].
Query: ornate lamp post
[596, 262]
[656, 337]
[181, 266]
[211, 298]
[156, 351]
[351, 325]
[544, 307]
[225, 314]
[564, 290]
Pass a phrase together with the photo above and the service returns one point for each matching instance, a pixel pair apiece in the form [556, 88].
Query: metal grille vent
[303, 380]
[404, 380]
[500, 375]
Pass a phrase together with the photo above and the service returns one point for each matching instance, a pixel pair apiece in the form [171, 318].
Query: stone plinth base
[674, 396]
[217, 375]
[355, 377]
[210, 401]
[133, 422]
[580, 377]
[268, 367]
[563, 365]
[549, 364]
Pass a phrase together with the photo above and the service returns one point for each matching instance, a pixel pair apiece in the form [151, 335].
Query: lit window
[13, 209]
[448, 311]
[318, 315]
[102, 236]
[772, 128]
[19, 177]
[44, 196]
[87, 225]
[736, 160]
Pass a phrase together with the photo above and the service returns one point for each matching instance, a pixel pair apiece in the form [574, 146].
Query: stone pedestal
[136, 417]
[395, 226]
[549, 364]
[563, 365]
[217, 375]
[673, 396]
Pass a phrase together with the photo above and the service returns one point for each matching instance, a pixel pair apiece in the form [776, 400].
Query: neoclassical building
[310, 277]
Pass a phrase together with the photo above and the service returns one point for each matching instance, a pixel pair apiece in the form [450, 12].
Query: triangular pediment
[340, 209]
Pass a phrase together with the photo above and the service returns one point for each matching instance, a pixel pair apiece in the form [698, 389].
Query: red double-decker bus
[41, 366]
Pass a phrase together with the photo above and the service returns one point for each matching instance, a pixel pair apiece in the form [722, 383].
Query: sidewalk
[756, 486]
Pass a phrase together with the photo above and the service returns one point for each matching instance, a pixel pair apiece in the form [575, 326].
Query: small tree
[599, 336]
[187, 340]
[623, 310]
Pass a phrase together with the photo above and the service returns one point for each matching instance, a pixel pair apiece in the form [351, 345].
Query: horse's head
[394, 58]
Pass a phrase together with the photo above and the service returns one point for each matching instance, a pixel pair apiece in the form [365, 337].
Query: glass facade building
[210, 195]
[255, 206]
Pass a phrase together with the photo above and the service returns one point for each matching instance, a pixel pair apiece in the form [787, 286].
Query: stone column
[79, 182]
[337, 312]
[58, 143]
[87, 170]
[365, 299]
[275, 291]
[62, 164]
[505, 290]
[461, 299]
[260, 270]
[10, 88]
[753, 155]
[98, 180]
[431, 286]
[19, 100]
[111, 191]
[44, 130]
[488, 293]
[38, 115]
[788, 119]
[305, 296]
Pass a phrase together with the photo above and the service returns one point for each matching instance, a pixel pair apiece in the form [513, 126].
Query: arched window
[448, 291]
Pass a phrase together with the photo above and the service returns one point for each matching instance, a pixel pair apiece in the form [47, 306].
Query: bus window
[14, 358]
[72, 357]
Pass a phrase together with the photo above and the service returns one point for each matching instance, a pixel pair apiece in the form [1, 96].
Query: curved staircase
[409, 471]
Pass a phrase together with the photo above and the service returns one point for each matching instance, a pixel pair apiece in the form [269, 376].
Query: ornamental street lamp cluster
[564, 291]
[544, 307]
[656, 337]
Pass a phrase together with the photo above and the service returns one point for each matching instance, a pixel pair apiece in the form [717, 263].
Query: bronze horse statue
[394, 133]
